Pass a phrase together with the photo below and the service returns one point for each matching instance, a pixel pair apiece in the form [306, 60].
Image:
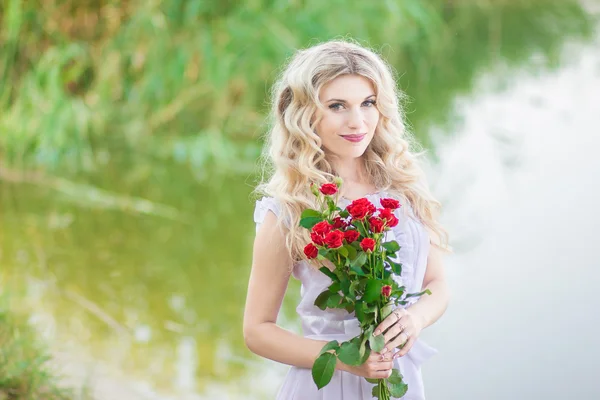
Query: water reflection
[160, 299]
[523, 322]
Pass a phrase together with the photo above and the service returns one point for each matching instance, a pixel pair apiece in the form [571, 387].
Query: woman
[336, 113]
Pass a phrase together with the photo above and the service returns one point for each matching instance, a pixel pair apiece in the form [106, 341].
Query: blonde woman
[336, 112]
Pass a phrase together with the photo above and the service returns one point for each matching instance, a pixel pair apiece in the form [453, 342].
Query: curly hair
[293, 156]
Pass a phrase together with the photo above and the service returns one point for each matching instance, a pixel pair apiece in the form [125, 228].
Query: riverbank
[26, 369]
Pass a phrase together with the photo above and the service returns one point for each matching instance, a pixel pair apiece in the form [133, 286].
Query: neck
[351, 170]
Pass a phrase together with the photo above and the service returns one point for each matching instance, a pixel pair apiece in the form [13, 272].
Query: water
[148, 297]
[520, 181]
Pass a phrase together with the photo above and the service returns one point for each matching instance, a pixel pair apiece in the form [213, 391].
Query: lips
[354, 138]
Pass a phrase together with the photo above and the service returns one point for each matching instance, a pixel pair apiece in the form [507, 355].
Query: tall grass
[25, 371]
[83, 83]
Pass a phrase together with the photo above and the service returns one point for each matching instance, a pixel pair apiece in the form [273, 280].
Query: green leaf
[396, 267]
[360, 228]
[333, 345]
[323, 369]
[321, 300]
[349, 353]
[309, 222]
[371, 380]
[387, 310]
[426, 291]
[310, 213]
[351, 251]
[359, 261]
[396, 377]
[335, 287]
[377, 343]
[398, 390]
[329, 273]
[359, 311]
[344, 213]
[375, 392]
[373, 290]
[343, 251]
[358, 270]
[392, 246]
[334, 300]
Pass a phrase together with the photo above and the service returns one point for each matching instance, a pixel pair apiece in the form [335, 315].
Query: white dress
[338, 324]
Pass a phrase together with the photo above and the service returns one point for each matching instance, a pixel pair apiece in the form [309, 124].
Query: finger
[389, 321]
[393, 332]
[399, 341]
[406, 348]
[384, 366]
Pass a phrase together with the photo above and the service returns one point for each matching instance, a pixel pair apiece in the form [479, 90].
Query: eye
[335, 106]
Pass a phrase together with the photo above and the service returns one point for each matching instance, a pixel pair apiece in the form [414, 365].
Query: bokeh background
[129, 134]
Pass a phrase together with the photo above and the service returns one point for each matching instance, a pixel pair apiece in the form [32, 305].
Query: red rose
[317, 239]
[388, 215]
[311, 251]
[376, 224]
[322, 228]
[328, 188]
[338, 223]
[333, 240]
[386, 290]
[360, 208]
[390, 203]
[367, 244]
[351, 235]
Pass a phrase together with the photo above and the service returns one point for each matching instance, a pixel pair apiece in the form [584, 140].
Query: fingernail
[377, 332]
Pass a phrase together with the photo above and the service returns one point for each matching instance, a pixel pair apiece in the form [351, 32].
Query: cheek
[329, 125]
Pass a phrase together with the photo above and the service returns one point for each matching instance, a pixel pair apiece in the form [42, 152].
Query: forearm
[275, 343]
[430, 307]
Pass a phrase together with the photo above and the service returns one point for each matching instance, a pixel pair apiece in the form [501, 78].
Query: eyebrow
[343, 101]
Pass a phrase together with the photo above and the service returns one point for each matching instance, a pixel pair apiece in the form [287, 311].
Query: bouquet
[352, 239]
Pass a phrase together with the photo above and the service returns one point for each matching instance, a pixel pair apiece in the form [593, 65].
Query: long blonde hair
[293, 156]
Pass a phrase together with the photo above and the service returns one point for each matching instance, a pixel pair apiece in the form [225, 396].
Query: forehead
[347, 87]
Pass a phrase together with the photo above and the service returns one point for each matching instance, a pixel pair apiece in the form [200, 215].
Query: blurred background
[129, 134]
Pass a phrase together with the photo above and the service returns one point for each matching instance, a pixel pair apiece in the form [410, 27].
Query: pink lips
[354, 138]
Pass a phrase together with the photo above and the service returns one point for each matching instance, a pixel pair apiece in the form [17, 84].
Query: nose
[355, 118]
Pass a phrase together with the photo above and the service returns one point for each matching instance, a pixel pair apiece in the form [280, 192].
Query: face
[348, 124]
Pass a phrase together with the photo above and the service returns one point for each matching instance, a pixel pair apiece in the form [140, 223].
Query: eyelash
[334, 105]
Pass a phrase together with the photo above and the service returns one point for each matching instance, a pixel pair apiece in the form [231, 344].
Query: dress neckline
[379, 192]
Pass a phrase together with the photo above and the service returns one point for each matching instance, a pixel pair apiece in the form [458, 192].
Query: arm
[429, 308]
[268, 282]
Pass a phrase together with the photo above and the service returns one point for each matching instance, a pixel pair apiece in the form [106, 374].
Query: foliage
[83, 83]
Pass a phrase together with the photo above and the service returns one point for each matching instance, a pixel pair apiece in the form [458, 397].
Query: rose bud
[311, 251]
[390, 203]
[351, 235]
[360, 208]
[338, 181]
[317, 239]
[388, 216]
[338, 223]
[367, 244]
[322, 228]
[386, 290]
[328, 189]
[333, 240]
[376, 224]
[314, 189]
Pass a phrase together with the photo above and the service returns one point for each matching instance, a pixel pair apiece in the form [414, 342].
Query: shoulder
[263, 206]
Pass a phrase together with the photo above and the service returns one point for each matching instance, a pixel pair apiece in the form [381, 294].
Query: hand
[377, 366]
[403, 328]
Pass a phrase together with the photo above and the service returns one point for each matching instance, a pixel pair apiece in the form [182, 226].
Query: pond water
[154, 292]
